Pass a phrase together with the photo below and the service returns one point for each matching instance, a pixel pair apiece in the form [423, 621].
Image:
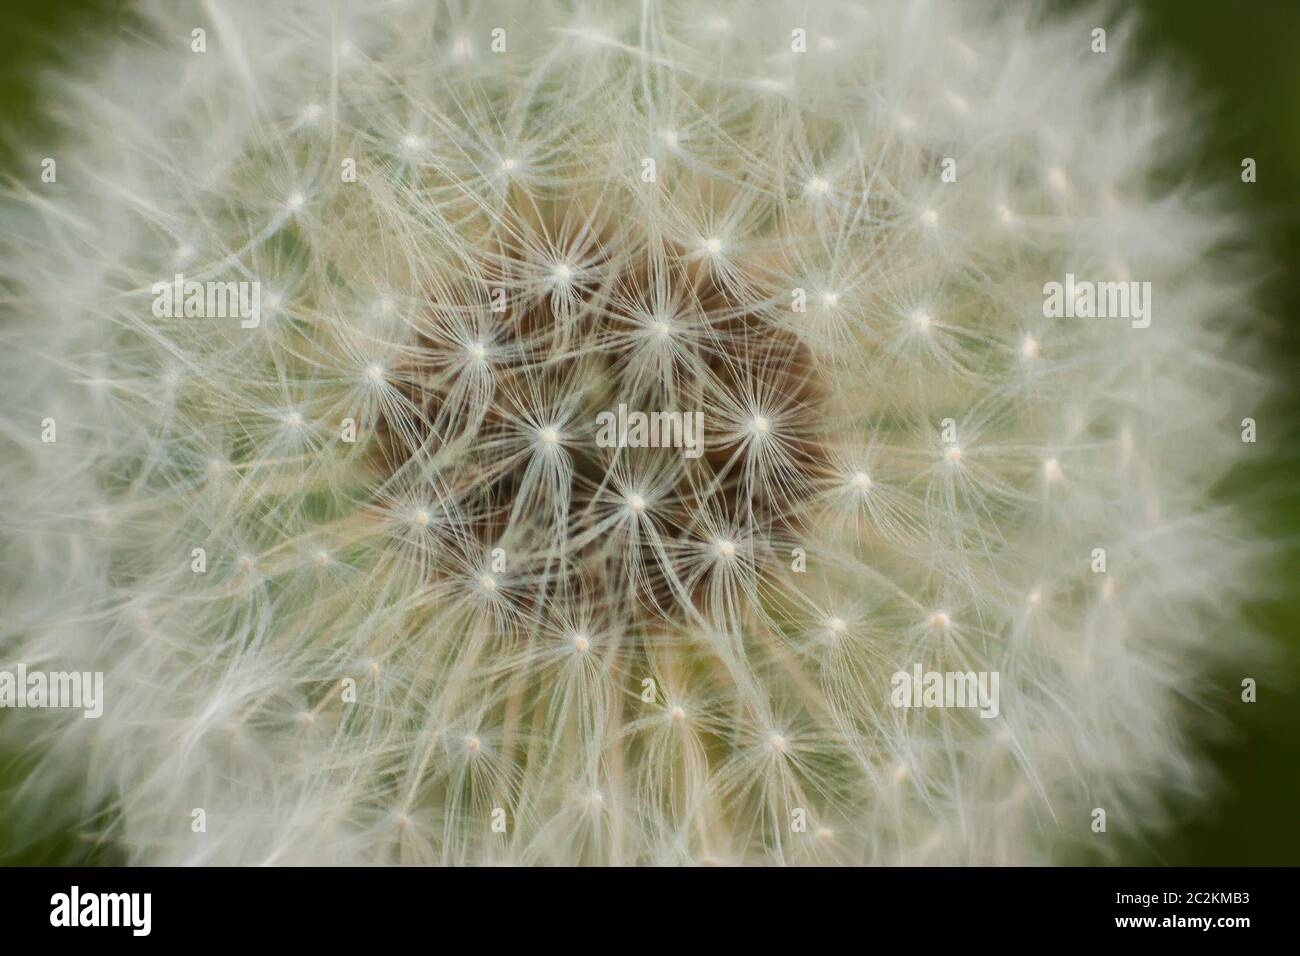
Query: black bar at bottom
[543, 907]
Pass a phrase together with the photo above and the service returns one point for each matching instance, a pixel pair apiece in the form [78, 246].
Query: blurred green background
[1245, 61]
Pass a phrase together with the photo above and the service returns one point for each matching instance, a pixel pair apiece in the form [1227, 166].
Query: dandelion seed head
[372, 552]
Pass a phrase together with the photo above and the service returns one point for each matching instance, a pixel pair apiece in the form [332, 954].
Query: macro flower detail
[328, 318]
